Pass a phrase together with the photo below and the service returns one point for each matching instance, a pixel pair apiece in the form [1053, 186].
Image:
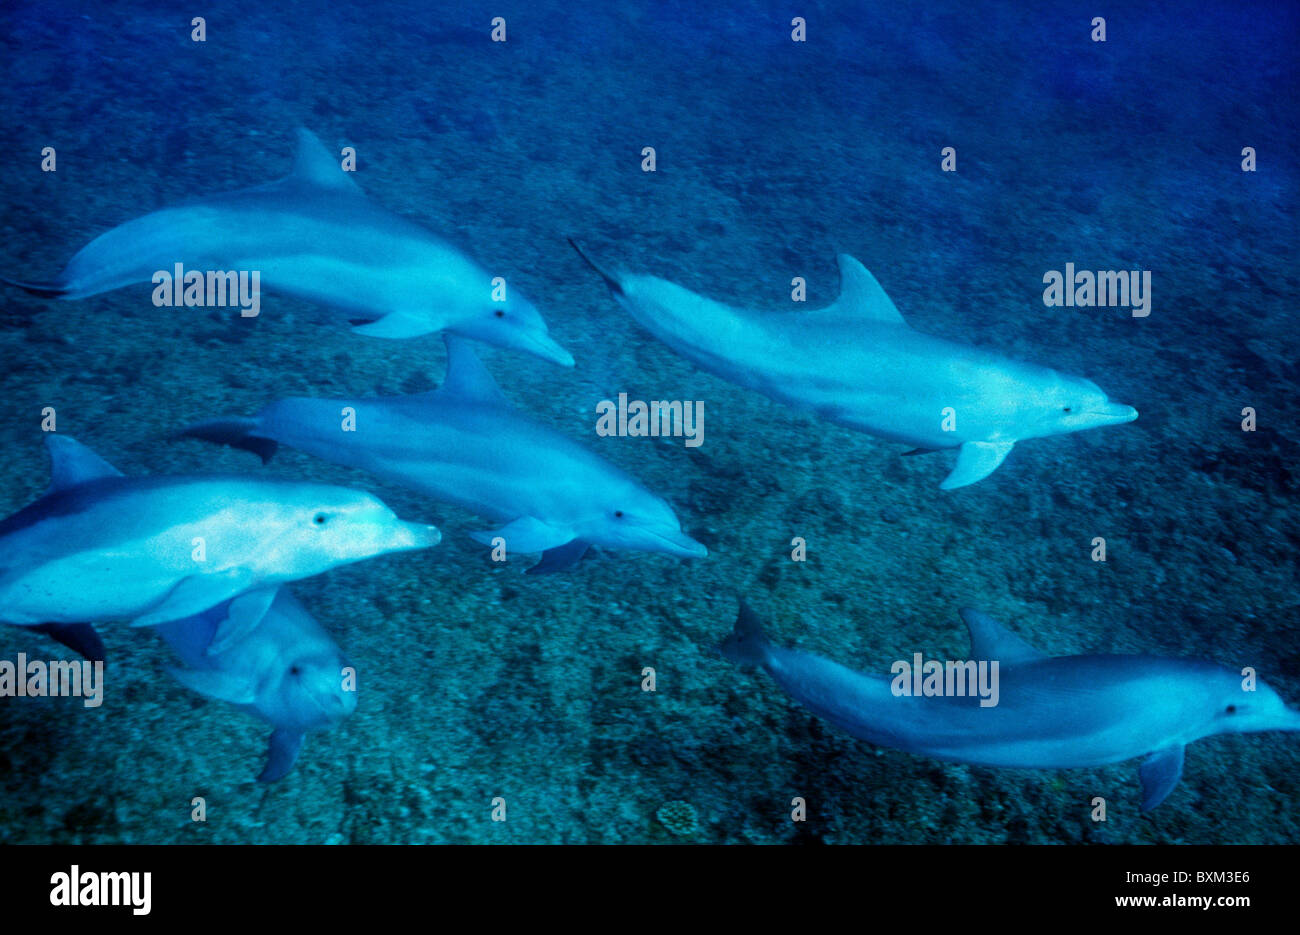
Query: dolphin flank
[1052, 712]
[857, 363]
[99, 546]
[315, 236]
[464, 444]
[286, 670]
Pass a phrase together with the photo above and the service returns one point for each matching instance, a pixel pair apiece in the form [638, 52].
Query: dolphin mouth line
[547, 348]
[681, 545]
[1113, 414]
[1099, 416]
[332, 710]
[422, 536]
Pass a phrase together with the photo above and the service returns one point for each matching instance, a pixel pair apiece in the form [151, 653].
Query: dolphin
[857, 363]
[1057, 712]
[315, 236]
[286, 670]
[101, 546]
[464, 444]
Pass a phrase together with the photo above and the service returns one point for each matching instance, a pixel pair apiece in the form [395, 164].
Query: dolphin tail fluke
[611, 280]
[747, 644]
[46, 290]
[79, 637]
[237, 433]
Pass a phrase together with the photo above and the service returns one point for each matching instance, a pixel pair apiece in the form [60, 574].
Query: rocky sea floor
[479, 682]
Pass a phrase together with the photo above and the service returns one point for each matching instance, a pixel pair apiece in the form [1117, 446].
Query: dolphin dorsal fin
[314, 165]
[467, 378]
[72, 463]
[990, 640]
[861, 296]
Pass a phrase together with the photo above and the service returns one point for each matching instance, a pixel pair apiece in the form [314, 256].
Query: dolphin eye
[618, 514]
[320, 519]
[1066, 409]
[1231, 709]
[295, 670]
[500, 313]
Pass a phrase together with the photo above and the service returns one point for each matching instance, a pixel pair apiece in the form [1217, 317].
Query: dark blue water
[772, 156]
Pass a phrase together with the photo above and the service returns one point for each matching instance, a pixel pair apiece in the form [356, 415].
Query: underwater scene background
[772, 157]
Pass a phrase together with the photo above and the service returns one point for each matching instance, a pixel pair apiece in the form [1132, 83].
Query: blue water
[772, 156]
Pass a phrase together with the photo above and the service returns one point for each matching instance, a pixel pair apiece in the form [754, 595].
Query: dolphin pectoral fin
[395, 326]
[526, 534]
[281, 753]
[976, 461]
[195, 594]
[243, 615]
[560, 558]
[1160, 772]
[81, 638]
[222, 686]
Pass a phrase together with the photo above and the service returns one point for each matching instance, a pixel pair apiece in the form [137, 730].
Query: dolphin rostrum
[101, 546]
[286, 670]
[857, 363]
[1057, 712]
[464, 444]
[314, 235]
